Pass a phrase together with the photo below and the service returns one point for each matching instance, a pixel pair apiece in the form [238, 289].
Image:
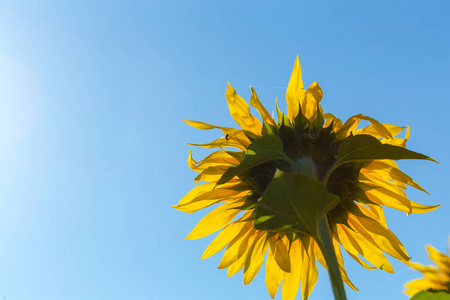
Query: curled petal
[310, 101]
[240, 111]
[254, 101]
[331, 119]
[351, 124]
[218, 158]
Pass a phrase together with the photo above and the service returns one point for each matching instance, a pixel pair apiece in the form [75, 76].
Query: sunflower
[435, 278]
[285, 175]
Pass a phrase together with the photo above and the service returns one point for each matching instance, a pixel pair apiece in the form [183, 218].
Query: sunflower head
[289, 172]
[435, 277]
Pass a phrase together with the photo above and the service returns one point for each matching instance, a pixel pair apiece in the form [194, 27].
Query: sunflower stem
[325, 243]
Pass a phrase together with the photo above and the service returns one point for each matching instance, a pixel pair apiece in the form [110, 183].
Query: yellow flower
[435, 278]
[288, 173]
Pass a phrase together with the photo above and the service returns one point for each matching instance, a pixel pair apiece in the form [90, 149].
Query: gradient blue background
[92, 153]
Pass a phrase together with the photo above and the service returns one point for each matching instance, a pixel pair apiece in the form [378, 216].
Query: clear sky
[92, 153]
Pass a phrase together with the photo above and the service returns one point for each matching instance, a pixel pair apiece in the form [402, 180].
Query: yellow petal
[310, 101]
[369, 252]
[291, 281]
[226, 236]
[236, 248]
[281, 255]
[217, 158]
[376, 213]
[274, 274]
[321, 260]
[423, 269]
[240, 111]
[351, 124]
[441, 260]
[330, 118]
[351, 246]
[422, 284]
[372, 179]
[198, 190]
[255, 258]
[244, 251]
[389, 171]
[387, 198]
[294, 90]
[233, 134]
[309, 272]
[211, 174]
[202, 196]
[222, 143]
[375, 131]
[381, 237]
[398, 141]
[214, 221]
[254, 101]
[344, 275]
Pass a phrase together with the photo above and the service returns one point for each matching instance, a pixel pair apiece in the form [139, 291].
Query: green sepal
[240, 187]
[251, 217]
[293, 202]
[250, 135]
[318, 120]
[268, 129]
[339, 188]
[358, 193]
[249, 202]
[339, 215]
[282, 118]
[349, 172]
[287, 136]
[264, 149]
[354, 209]
[306, 240]
[238, 155]
[260, 176]
[292, 236]
[301, 123]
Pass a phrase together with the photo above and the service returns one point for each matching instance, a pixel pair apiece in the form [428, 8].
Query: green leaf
[264, 149]
[362, 147]
[293, 202]
[431, 295]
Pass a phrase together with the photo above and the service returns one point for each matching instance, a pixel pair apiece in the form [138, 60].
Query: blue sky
[92, 153]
